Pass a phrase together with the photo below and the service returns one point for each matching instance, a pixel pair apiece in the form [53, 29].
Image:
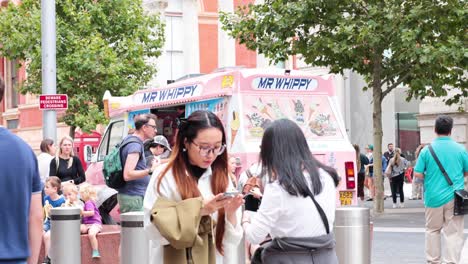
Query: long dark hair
[285, 155]
[179, 164]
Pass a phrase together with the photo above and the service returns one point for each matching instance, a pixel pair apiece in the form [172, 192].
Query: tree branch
[394, 85]
[394, 75]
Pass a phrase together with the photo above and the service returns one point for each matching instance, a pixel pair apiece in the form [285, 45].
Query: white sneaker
[394, 205]
[402, 205]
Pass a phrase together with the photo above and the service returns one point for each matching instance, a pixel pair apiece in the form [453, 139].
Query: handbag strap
[249, 173]
[321, 212]
[436, 159]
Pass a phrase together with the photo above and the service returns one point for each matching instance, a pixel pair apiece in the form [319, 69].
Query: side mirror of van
[88, 153]
[94, 158]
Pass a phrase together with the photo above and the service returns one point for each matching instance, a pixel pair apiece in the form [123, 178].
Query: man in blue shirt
[20, 200]
[136, 173]
[439, 195]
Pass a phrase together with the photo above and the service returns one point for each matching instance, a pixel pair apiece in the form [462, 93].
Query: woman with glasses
[188, 216]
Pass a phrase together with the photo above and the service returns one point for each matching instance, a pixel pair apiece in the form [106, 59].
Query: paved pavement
[399, 233]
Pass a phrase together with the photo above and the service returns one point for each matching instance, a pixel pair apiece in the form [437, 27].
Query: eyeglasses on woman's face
[205, 151]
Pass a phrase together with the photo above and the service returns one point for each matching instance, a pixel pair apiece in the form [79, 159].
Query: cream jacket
[232, 235]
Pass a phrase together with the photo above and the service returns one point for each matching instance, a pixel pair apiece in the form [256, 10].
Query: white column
[152, 7]
[262, 61]
[226, 44]
[191, 38]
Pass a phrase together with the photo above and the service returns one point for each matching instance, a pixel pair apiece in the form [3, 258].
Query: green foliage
[421, 44]
[101, 45]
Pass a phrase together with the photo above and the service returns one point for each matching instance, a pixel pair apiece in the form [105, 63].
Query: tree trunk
[378, 133]
[71, 133]
[377, 153]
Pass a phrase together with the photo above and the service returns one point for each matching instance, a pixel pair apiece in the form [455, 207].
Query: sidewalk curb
[403, 210]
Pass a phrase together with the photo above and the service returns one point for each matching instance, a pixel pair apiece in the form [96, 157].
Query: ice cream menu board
[313, 114]
[217, 106]
[131, 117]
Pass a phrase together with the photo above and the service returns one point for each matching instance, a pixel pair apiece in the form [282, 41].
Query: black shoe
[369, 199]
[46, 260]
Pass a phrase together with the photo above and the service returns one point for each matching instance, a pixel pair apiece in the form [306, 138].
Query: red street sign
[53, 102]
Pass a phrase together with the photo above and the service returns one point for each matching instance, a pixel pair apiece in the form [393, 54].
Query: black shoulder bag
[460, 206]
[320, 249]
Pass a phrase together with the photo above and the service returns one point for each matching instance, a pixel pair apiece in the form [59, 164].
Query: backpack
[112, 168]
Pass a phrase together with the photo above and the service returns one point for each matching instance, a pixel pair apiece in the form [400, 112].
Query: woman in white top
[45, 157]
[197, 168]
[288, 168]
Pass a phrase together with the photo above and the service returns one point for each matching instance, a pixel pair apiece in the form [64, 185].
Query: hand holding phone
[213, 204]
[230, 194]
[256, 192]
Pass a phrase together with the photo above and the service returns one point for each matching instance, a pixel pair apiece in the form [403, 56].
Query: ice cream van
[246, 100]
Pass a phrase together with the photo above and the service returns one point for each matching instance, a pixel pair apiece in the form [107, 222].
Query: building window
[13, 92]
[408, 135]
[174, 47]
[12, 123]
[11, 84]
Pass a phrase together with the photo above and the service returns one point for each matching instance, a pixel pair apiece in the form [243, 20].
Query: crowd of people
[192, 183]
[194, 205]
[199, 181]
[396, 169]
[64, 181]
[174, 185]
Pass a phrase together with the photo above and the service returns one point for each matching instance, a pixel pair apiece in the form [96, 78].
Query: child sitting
[70, 192]
[51, 200]
[92, 223]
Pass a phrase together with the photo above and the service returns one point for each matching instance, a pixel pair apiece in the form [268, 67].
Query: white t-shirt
[43, 162]
[283, 215]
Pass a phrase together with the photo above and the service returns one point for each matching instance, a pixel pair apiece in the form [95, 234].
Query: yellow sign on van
[227, 82]
[346, 197]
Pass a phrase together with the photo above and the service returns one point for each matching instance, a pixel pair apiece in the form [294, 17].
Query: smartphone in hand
[230, 194]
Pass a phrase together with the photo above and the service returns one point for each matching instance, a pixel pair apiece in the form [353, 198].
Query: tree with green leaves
[101, 45]
[391, 43]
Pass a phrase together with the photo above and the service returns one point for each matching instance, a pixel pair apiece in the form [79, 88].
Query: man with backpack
[135, 172]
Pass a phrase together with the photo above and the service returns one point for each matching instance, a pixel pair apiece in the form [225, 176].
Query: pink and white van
[246, 100]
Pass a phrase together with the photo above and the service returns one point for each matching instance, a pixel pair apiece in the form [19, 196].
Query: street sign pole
[49, 75]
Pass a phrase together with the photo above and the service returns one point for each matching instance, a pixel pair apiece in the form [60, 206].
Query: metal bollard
[65, 246]
[352, 234]
[134, 245]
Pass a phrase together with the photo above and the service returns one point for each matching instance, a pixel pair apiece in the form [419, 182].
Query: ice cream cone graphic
[235, 124]
[311, 112]
[265, 111]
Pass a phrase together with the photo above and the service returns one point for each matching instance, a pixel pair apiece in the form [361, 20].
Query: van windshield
[314, 115]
